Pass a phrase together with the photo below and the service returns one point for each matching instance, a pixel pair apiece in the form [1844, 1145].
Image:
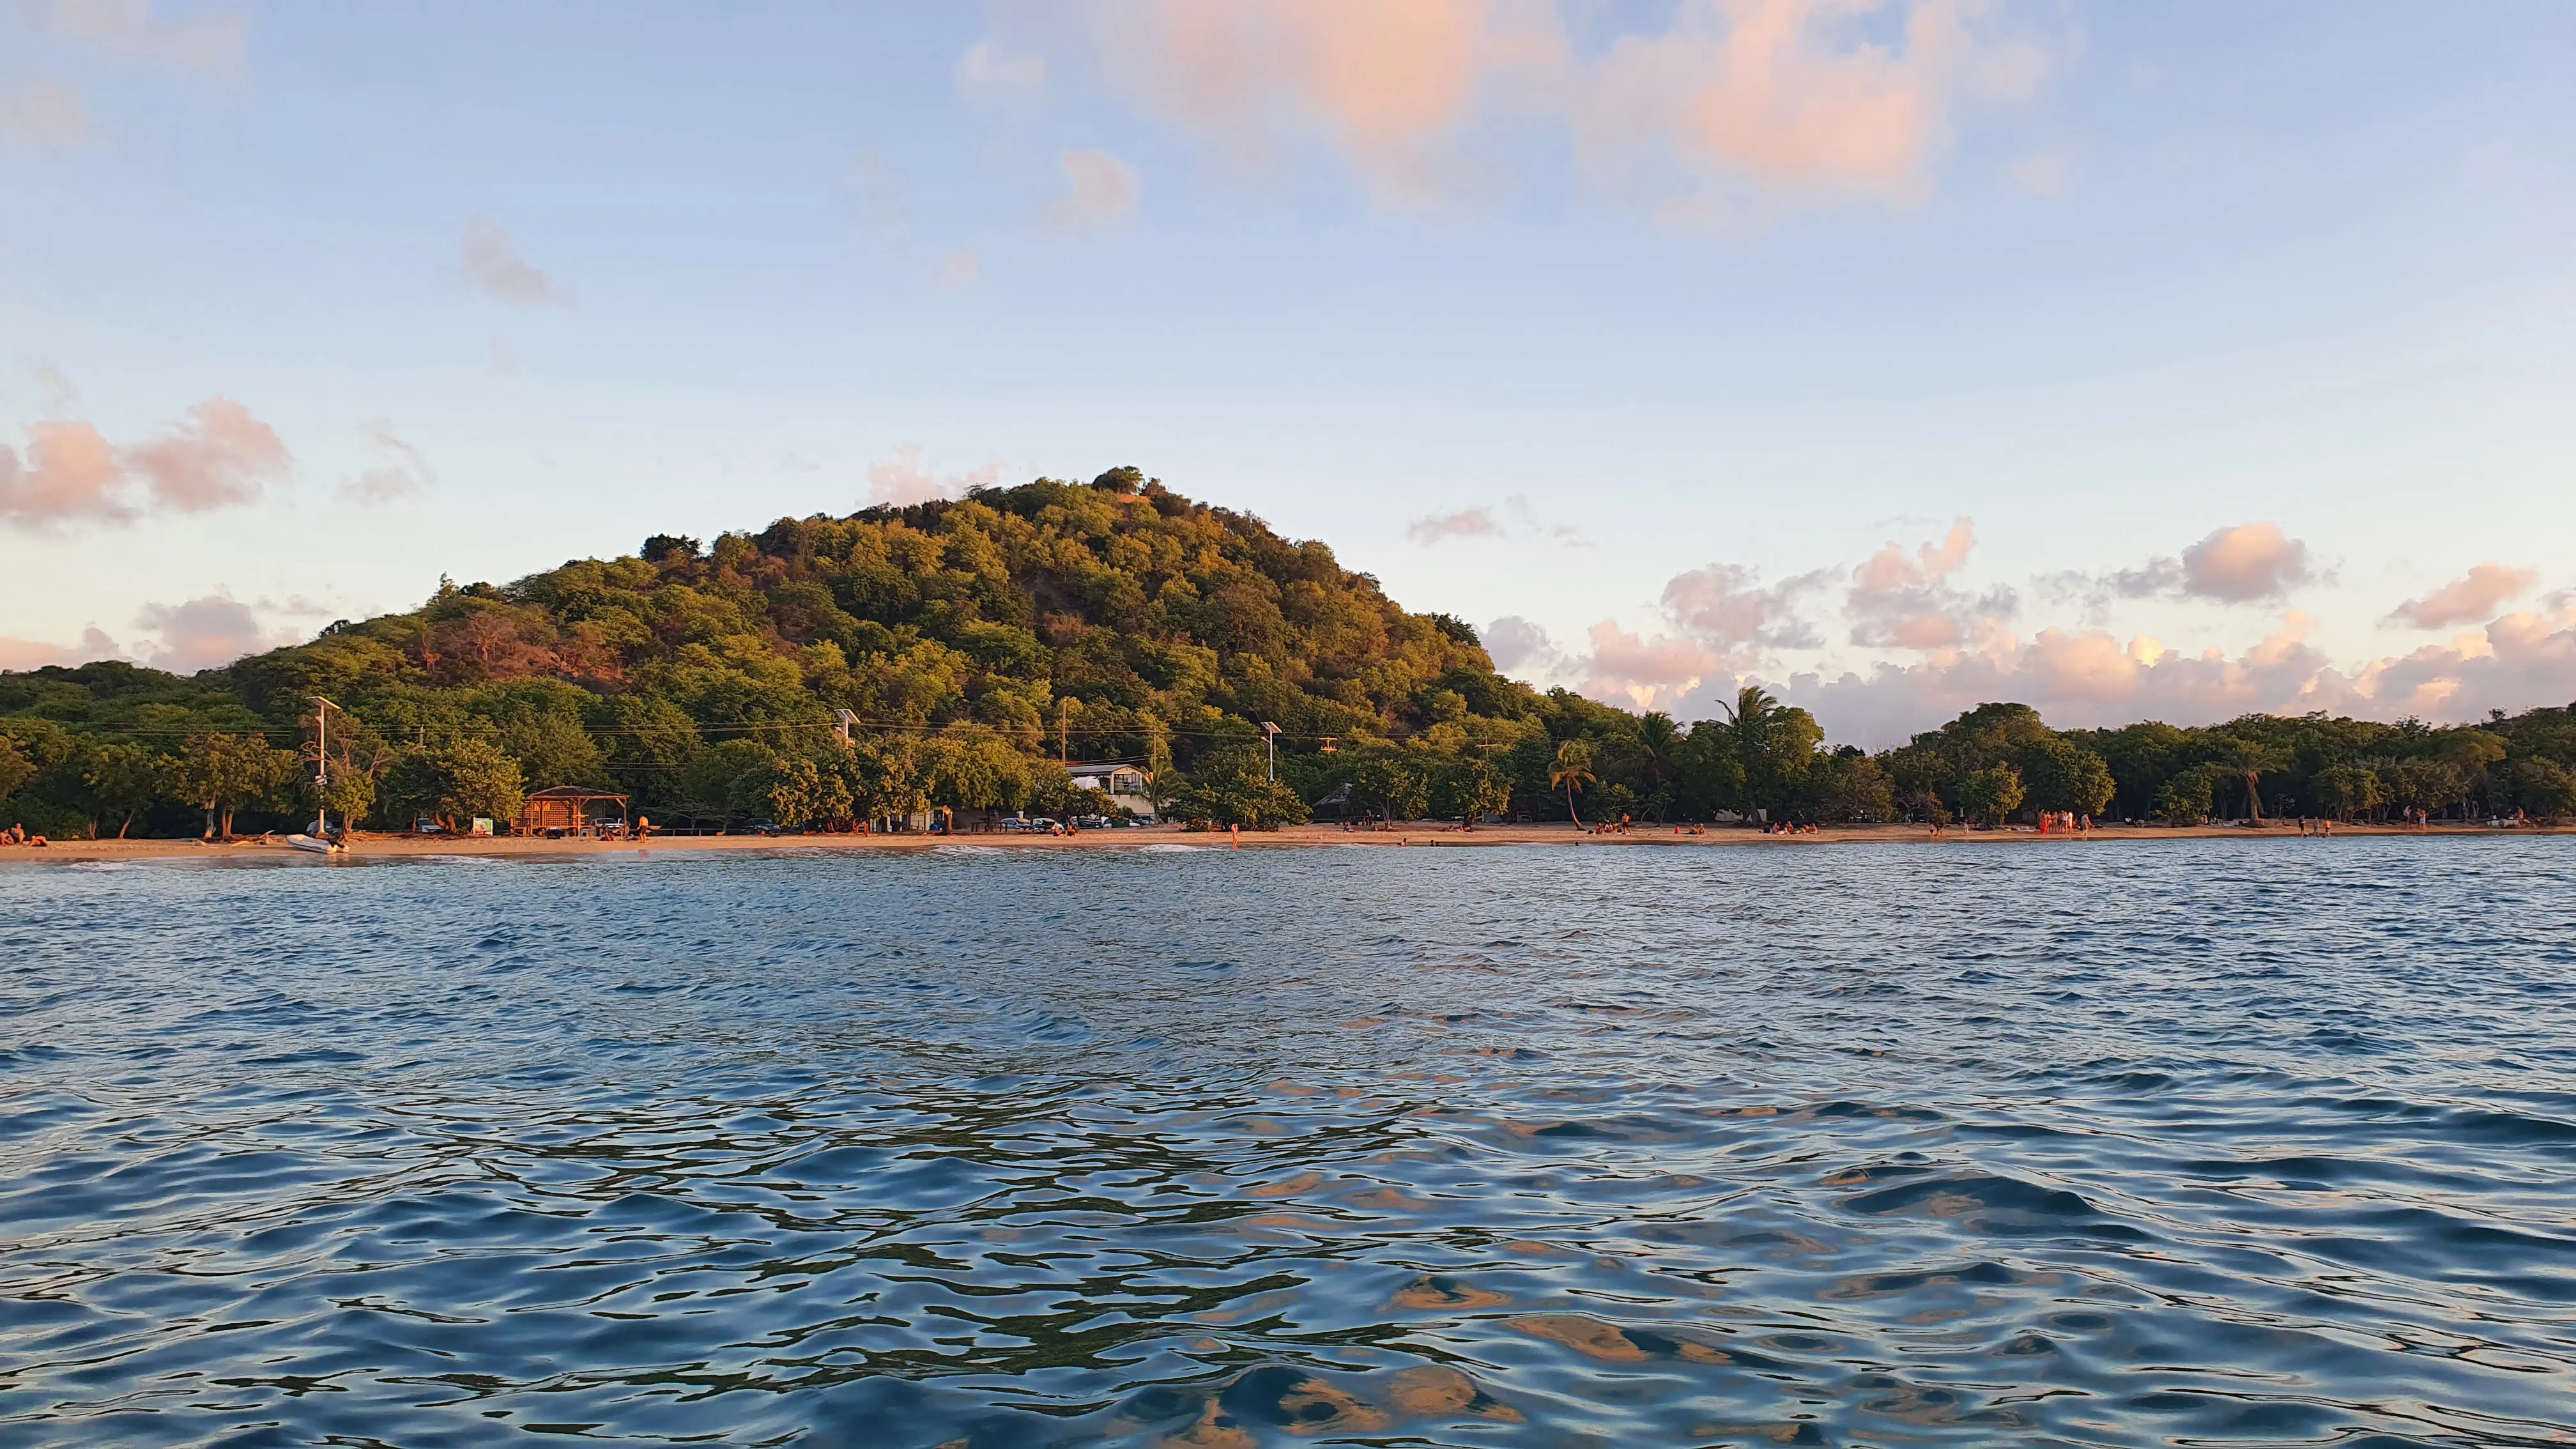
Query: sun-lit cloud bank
[1899, 642]
[1704, 113]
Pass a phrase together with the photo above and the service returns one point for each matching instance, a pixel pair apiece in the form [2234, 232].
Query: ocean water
[2199, 1142]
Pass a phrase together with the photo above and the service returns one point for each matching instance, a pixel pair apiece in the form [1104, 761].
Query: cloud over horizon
[902, 480]
[220, 456]
[1935, 644]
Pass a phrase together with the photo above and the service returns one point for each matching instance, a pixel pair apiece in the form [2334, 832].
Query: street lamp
[1272, 731]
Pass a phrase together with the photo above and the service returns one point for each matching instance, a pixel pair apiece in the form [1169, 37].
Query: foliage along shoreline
[981, 642]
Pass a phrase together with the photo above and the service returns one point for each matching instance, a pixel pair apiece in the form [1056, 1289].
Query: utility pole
[1272, 731]
[322, 761]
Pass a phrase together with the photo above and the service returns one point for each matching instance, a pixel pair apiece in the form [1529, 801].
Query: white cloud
[1100, 190]
[220, 456]
[959, 268]
[491, 261]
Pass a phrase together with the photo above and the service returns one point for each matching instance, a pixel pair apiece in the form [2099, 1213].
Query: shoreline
[1418, 834]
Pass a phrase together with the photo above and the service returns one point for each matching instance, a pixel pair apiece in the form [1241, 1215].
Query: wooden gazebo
[564, 808]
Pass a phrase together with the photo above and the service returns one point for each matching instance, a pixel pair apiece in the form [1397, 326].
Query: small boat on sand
[313, 844]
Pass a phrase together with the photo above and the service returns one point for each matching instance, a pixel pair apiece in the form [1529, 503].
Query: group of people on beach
[17, 835]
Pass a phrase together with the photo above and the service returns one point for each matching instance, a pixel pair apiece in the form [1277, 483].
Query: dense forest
[981, 642]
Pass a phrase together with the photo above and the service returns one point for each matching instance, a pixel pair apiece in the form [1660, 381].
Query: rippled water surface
[2227, 1142]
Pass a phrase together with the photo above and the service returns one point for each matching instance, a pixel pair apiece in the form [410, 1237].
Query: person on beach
[1234, 837]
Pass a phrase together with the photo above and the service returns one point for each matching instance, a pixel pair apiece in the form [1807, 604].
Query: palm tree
[1572, 768]
[1748, 733]
[1658, 746]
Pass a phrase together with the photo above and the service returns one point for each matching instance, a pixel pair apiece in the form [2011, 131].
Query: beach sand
[1431, 834]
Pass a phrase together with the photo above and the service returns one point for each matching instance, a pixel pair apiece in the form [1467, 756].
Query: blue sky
[1671, 343]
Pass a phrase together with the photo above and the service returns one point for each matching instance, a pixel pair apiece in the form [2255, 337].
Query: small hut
[568, 810]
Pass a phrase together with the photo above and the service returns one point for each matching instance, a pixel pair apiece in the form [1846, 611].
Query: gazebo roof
[573, 792]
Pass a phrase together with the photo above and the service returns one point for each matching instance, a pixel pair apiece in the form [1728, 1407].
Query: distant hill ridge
[949, 654]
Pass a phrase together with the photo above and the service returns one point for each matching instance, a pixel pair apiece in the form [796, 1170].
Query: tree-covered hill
[978, 642]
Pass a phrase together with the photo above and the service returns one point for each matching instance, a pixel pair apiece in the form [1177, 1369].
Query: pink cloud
[1905, 600]
[491, 261]
[2090, 678]
[1100, 190]
[220, 457]
[1516, 644]
[70, 475]
[2464, 600]
[1775, 97]
[1626, 668]
[1723, 607]
[207, 632]
[44, 115]
[2250, 561]
[902, 481]
[403, 473]
[206, 41]
[1466, 523]
[17, 654]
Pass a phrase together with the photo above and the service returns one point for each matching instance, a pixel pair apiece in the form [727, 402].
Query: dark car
[762, 827]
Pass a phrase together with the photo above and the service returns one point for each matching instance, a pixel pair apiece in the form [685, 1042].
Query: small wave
[966, 850]
[1167, 847]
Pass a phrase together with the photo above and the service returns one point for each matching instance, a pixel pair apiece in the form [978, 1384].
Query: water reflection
[2217, 1142]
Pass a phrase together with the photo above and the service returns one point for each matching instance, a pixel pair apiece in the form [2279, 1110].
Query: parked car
[423, 825]
[762, 827]
[1015, 826]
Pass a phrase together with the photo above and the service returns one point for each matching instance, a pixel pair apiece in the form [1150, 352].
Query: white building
[1123, 783]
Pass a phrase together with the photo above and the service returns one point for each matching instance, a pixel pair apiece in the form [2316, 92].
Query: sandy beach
[1415, 834]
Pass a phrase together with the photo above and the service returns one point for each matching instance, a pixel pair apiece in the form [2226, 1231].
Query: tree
[1232, 786]
[2346, 791]
[1991, 794]
[1571, 771]
[1659, 743]
[2185, 799]
[348, 794]
[2544, 788]
[15, 768]
[1469, 788]
[2065, 776]
[125, 780]
[797, 792]
[221, 773]
[725, 780]
[2246, 760]
[480, 779]
[1400, 787]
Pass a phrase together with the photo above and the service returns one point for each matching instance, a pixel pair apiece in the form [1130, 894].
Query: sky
[2166, 361]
